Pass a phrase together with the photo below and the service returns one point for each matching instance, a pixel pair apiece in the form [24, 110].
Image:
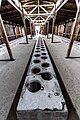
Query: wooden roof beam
[44, 5]
[10, 1]
[9, 12]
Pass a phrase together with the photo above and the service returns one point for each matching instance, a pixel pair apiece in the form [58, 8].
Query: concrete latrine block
[41, 97]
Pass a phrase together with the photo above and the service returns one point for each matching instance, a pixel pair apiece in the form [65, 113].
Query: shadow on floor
[73, 115]
[57, 42]
[23, 43]
[72, 57]
[7, 60]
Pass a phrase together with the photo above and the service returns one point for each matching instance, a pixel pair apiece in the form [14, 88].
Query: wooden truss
[38, 13]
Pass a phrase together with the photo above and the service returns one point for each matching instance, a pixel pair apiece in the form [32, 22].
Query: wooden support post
[24, 22]
[64, 29]
[53, 26]
[74, 33]
[31, 29]
[47, 28]
[21, 30]
[25, 29]
[14, 30]
[18, 31]
[5, 38]
[57, 29]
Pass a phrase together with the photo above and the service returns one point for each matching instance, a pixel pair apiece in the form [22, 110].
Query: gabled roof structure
[38, 10]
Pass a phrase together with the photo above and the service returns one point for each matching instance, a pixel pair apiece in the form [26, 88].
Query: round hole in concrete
[37, 55]
[34, 86]
[37, 51]
[37, 46]
[44, 57]
[35, 70]
[43, 49]
[36, 61]
[43, 53]
[45, 64]
[46, 76]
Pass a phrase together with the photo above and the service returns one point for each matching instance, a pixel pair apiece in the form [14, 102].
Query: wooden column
[5, 38]
[64, 29]
[53, 26]
[74, 33]
[57, 29]
[14, 30]
[31, 29]
[25, 28]
[47, 28]
[21, 31]
[17, 31]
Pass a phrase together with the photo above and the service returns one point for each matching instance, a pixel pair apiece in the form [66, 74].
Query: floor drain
[37, 55]
[45, 64]
[35, 70]
[46, 76]
[36, 61]
[34, 86]
[44, 57]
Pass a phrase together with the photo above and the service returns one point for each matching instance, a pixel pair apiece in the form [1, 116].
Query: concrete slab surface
[41, 96]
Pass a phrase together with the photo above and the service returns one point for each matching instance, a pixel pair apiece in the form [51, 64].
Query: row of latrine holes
[35, 86]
